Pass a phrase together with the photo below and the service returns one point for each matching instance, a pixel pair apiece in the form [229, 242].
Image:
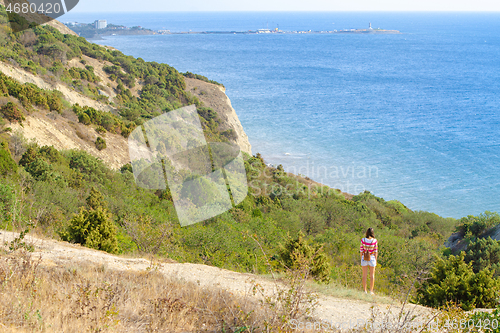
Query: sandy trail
[329, 309]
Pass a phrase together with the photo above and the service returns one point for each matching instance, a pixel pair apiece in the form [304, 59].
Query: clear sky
[286, 5]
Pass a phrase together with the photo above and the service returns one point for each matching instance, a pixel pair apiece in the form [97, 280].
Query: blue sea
[413, 117]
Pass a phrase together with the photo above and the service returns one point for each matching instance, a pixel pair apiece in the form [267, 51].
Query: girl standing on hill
[369, 254]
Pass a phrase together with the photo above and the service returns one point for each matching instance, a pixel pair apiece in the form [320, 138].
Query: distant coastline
[94, 31]
[100, 28]
[267, 31]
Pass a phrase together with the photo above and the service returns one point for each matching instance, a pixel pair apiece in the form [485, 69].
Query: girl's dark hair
[369, 233]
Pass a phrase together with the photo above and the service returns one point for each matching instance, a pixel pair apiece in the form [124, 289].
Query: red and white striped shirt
[369, 245]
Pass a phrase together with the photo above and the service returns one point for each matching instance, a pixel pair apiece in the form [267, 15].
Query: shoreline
[280, 32]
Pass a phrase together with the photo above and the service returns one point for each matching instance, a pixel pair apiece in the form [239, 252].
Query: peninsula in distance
[100, 28]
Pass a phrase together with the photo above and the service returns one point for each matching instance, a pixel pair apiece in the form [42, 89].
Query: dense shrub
[93, 228]
[40, 169]
[29, 156]
[88, 115]
[298, 249]
[84, 74]
[484, 254]
[91, 168]
[100, 143]
[7, 164]
[84, 119]
[7, 196]
[51, 154]
[487, 321]
[12, 113]
[453, 280]
[29, 94]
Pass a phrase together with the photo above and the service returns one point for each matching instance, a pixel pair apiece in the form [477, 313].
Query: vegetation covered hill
[71, 195]
[136, 90]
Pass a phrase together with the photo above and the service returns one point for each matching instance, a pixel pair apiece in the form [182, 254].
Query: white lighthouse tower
[370, 28]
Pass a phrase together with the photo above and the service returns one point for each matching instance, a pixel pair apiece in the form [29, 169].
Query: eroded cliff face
[214, 96]
[64, 131]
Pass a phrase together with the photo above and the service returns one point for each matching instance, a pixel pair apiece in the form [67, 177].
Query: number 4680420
[27, 8]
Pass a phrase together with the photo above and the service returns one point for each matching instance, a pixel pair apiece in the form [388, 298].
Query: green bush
[104, 120]
[453, 280]
[298, 249]
[100, 143]
[87, 164]
[7, 164]
[93, 228]
[29, 95]
[84, 119]
[12, 113]
[484, 254]
[29, 156]
[95, 199]
[51, 154]
[101, 130]
[40, 169]
[7, 197]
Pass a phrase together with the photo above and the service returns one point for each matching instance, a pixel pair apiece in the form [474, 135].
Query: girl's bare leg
[365, 274]
[372, 278]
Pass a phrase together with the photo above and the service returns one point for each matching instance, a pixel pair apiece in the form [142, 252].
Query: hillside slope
[102, 91]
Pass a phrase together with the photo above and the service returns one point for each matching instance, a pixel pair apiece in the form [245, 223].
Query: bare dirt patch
[62, 133]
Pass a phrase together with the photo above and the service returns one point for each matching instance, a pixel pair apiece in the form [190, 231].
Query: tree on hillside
[297, 250]
[7, 164]
[29, 156]
[93, 228]
[95, 199]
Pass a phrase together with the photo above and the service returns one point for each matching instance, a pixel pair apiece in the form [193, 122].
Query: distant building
[100, 24]
[370, 28]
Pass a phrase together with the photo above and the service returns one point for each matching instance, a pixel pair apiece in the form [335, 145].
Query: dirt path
[330, 309]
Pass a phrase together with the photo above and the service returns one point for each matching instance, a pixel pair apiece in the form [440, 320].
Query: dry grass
[38, 297]
[92, 299]
[336, 290]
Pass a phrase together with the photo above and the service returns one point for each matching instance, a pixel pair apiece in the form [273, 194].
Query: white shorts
[372, 262]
